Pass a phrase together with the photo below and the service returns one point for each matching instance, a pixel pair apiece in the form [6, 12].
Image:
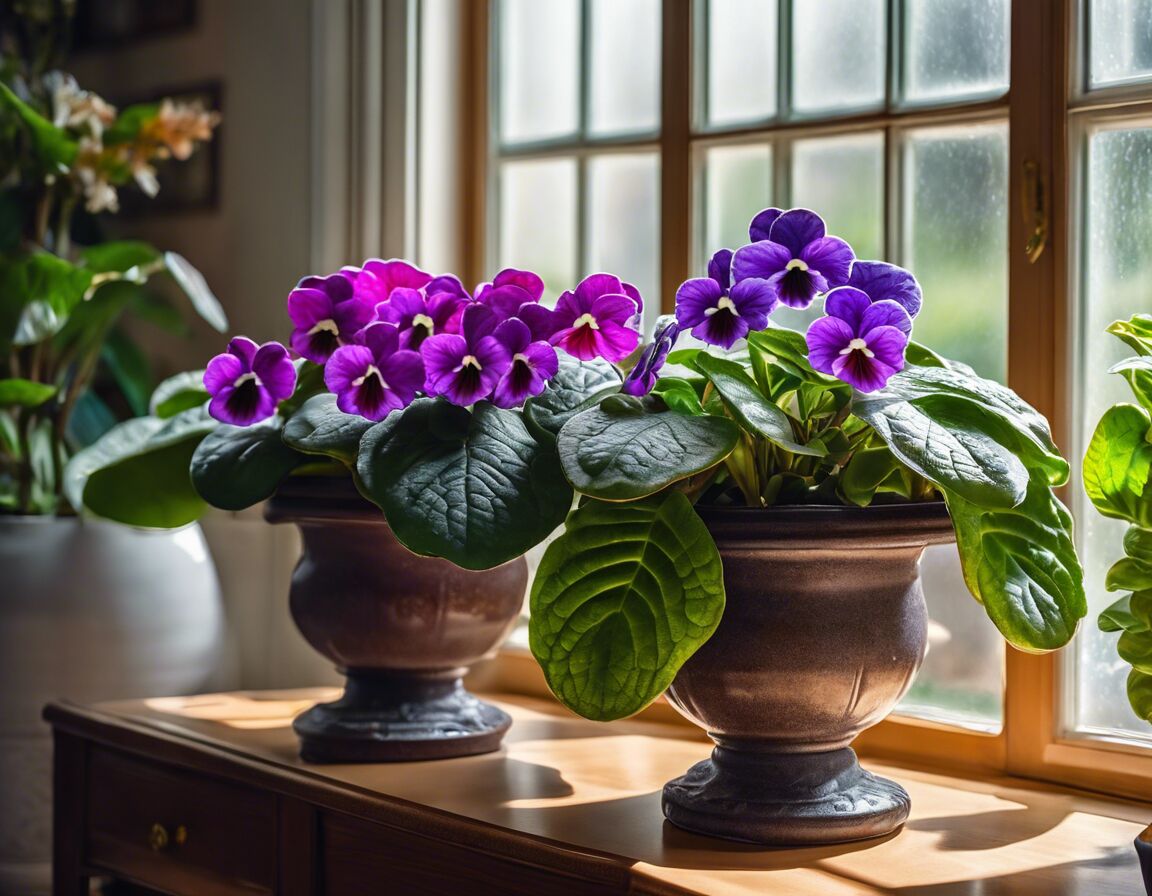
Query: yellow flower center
[725, 304]
[246, 378]
[858, 345]
[372, 371]
[586, 320]
[423, 320]
[796, 264]
[469, 361]
[325, 326]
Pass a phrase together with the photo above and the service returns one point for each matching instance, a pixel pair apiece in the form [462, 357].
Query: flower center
[858, 345]
[423, 320]
[521, 358]
[325, 326]
[796, 264]
[246, 378]
[586, 320]
[469, 361]
[372, 371]
[725, 304]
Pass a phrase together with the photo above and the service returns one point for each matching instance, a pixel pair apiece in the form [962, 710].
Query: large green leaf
[1138, 544]
[90, 419]
[621, 600]
[1136, 332]
[130, 368]
[137, 473]
[475, 488]
[1021, 563]
[784, 345]
[1129, 574]
[1117, 465]
[37, 292]
[950, 441]
[869, 471]
[24, 393]
[238, 466]
[1140, 694]
[319, 427]
[679, 394]
[1119, 617]
[575, 385]
[627, 448]
[54, 146]
[196, 288]
[1135, 648]
[750, 408]
[178, 393]
[1138, 372]
[119, 256]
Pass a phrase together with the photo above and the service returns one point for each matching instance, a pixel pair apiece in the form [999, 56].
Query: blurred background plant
[69, 369]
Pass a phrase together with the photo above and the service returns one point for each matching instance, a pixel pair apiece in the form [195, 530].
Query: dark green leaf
[53, 145]
[679, 394]
[625, 449]
[37, 292]
[155, 309]
[576, 385]
[621, 600]
[196, 288]
[238, 466]
[178, 393]
[130, 368]
[118, 256]
[1118, 617]
[24, 393]
[1117, 465]
[475, 488]
[1140, 694]
[319, 427]
[90, 419]
[1128, 574]
[1136, 332]
[309, 382]
[866, 473]
[1138, 544]
[1135, 648]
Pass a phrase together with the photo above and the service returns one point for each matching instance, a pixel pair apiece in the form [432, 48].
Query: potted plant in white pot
[87, 609]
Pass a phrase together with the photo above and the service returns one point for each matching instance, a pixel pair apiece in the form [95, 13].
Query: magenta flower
[718, 312]
[596, 320]
[797, 257]
[530, 367]
[859, 341]
[642, 377]
[417, 315]
[376, 376]
[248, 381]
[465, 367]
[325, 315]
[377, 278]
[528, 282]
[881, 281]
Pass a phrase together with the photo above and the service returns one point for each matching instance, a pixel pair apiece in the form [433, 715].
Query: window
[637, 135]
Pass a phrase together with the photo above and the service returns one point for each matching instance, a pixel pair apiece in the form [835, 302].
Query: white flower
[76, 108]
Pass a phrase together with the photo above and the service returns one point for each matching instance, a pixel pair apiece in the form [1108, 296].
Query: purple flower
[465, 367]
[532, 364]
[642, 377]
[859, 341]
[375, 376]
[527, 281]
[596, 320]
[417, 315]
[248, 381]
[377, 278]
[797, 257]
[881, 281]
[326, 315]
[718, 312]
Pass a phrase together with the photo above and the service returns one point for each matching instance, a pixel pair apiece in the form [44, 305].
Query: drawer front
[364, 859]
[178, 830]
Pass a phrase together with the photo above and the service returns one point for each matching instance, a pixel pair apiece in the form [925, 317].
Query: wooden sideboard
[206, 796]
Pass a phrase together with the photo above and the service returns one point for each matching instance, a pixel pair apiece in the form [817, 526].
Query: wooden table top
[593, 791]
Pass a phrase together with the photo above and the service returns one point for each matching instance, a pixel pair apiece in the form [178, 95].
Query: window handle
[1034, 204]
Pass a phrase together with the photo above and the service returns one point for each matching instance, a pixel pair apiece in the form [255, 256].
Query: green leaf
[1117, 465]
[129, 121]
[576, 386]
[53, 145]
[791, 347]
[679, 395]
[1138, 544]
[155, 309]
[309, 382]
[921, 355]
[625, 449]
[37, 293]
[196, 288]
[621, 600]
[90, 419]
[319, 427]
[1140, 694]
[118, 256]
[130, 368]
[1021, 563]
[752, 410]
[866, 473]
[1118, 617]
[238, 466]
[1128, 574]
[24, 393]
[475, 488]
[1138, 373]
[1135, 648]
[178, 393]
[1136, 332]
[137, 473]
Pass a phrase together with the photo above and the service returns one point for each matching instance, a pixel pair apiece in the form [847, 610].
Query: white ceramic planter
[89, 611]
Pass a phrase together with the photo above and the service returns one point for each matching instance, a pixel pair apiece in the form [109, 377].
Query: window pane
[838, 50]
[842, 179]
[1120, 41]
[623, 220]
[962, 679]
[737, 184]
[538, 220]
[741, 70]
[956, 241]
[539, 66]
[625, 73]
[1118, 271]
[956, 48]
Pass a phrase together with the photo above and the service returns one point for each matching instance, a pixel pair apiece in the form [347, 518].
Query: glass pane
[1118, 271]
[538, 220]
[623, 222]
[737, 184]
[838, 52]
[956, 241]
[956, 48]
[1119, 41]
[962, 679]
[842, 179]
[539, 68]
[625, 72]
[741, 70]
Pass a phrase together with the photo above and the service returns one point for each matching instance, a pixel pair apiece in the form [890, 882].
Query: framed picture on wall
[114, 23]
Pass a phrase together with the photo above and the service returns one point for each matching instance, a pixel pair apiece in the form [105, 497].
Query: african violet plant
[1118, 480]
[473, 420]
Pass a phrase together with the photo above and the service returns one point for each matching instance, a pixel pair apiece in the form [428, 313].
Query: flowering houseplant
[64, 152]
[1118, 480]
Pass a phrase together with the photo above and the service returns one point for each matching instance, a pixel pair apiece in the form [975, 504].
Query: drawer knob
[159, 838]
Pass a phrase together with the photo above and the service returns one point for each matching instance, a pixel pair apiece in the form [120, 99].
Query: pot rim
[320, 498]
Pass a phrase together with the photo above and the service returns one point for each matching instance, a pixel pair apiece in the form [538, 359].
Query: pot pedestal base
[785, 799]
[398, 717]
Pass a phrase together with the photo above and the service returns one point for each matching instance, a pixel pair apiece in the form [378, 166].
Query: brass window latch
[159, 838]
[1034, 205]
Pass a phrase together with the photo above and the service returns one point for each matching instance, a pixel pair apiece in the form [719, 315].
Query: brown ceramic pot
[824, 629]
[403, 630]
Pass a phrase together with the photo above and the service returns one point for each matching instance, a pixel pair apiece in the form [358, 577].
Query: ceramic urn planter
[824, 629]
[403, 630]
